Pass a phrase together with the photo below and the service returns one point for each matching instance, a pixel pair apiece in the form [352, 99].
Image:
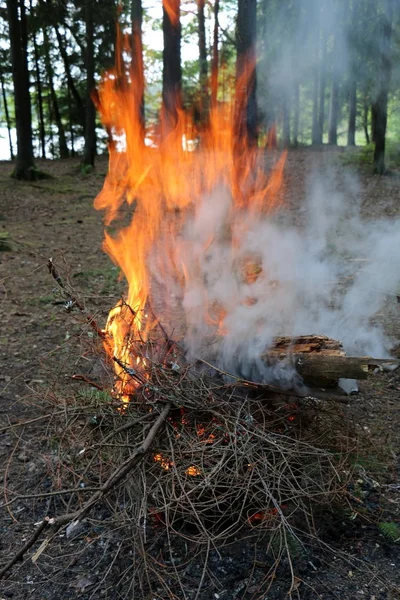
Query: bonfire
[232, 410]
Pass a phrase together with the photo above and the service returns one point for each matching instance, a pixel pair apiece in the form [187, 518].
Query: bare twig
[115, 478]
[73, 299]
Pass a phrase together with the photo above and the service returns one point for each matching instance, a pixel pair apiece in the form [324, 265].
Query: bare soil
[43, 349]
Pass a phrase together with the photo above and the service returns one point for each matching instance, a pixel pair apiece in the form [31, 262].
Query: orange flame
[161, 182]
[172, 8]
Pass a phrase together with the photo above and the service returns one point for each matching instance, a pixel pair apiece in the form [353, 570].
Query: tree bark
[351, 132]
[322, 86]
[381, 101]
[7, 114]
[203, 66]
[246, 80]
[215, 57]
[365, 122]
[172, 70]
[334, 111]
[285, 120]
[296, 114]
[321, 361]
[137, 67]
[89, 152]
[70, 81]
[39, 94]
[25, 167]
[62, 142]
[315, 133]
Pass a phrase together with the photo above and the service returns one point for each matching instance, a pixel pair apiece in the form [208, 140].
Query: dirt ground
[43, 349]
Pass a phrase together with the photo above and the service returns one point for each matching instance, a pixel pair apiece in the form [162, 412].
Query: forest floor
[42, 347]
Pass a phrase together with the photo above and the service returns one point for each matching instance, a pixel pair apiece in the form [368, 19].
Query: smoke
[248, 279]
[311, 52]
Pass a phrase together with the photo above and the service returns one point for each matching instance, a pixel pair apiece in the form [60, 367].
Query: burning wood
[322, 361]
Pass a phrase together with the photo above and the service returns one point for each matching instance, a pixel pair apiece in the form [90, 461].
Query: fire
[163, 185]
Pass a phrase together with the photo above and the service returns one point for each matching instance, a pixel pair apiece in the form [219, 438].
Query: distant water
[4, 144]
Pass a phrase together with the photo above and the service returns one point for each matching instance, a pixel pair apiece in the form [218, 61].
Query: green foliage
[94, 398]
[390, 530]
[5, 242]
[364, 156]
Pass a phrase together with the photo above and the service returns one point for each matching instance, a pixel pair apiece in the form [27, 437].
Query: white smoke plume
[267, 277]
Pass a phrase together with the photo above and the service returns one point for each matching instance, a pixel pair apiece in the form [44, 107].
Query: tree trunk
[39, 94]
[285, 120]
[215, 57]
[365, 122]
[172, 70]
[137, 67]
[351, 132]
[322, 87]
[39, 97]
[334, 112]
[70, 81]
[315, 133]
[383, 75]
[373, 123]
[89, 152]
[71, 123]
[246, 80]
[7, 115]
[25, 167]
[62, 142]
[296, 115]
[203, 67]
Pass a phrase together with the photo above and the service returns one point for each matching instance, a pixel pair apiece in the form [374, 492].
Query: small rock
[23, 456]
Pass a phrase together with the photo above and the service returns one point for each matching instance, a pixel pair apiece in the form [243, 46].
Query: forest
[199, 299]
[326, 71]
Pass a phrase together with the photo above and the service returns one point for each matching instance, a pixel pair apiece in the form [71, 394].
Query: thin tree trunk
[246, 80]
[70, 81]
[381, 101]
[71, 123]
[285, 121]
[365, 122]
[373, 123]
[315, 133]
[63, 147]
[203, 66]
[137, 66]
[39, 95]
[384, 71]
[51, 123]
[25, 167]
[215, 57]
[351, 132]
[172, 70]
[89, 152]
[7, 114]
[334, 112]
[296, 114]
[322, 87]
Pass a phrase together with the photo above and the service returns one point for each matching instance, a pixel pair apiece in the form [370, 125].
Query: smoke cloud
[325, 270]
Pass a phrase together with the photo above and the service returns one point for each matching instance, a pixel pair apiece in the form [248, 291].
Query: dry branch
[321, 361]
[115, 478]
[70, 297]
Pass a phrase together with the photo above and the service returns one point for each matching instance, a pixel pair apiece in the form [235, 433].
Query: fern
[390, 530]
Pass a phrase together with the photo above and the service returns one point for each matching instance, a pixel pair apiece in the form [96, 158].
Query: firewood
[322, 361]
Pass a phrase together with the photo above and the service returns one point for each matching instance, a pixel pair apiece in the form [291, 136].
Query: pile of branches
[199, 457]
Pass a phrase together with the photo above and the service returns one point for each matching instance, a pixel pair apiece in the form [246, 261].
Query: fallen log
[322, 361]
